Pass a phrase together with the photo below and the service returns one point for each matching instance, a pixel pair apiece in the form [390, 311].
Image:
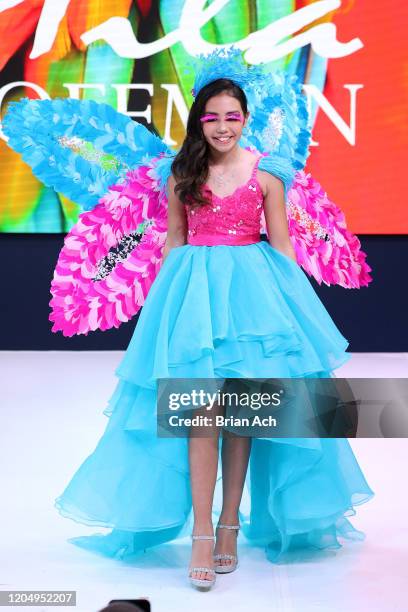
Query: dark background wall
[373, 318]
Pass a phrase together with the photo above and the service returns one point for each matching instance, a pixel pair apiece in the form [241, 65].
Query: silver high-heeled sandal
[226, 569]
[202, 583]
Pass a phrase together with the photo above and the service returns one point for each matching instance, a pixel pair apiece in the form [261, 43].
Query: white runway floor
[52, 419]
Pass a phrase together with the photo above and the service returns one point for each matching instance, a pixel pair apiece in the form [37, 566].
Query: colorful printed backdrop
[348, 54]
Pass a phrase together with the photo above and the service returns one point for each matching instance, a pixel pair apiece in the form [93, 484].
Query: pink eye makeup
[234, 116]
[208, 117]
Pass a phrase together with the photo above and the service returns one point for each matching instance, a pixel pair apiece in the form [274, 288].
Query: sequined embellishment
[305, 220]
[120, 252]
[231, 219]
[90, 153]
[274, 129]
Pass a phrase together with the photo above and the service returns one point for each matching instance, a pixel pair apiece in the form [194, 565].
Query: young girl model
[211, 153]
[211, 163]
[225, 303]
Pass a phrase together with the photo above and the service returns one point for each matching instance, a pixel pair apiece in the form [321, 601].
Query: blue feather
[278, 126]
[34, 128]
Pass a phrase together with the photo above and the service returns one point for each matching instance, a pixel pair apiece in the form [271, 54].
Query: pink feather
[336, 261]
[81, 304]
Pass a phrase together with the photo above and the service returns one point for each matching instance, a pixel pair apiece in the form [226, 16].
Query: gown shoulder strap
[255, 167]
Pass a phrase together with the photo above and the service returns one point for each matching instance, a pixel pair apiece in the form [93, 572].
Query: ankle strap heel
[226, 569]
[198, 582]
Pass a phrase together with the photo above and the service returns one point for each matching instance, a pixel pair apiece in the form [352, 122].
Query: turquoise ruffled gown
[226, 304]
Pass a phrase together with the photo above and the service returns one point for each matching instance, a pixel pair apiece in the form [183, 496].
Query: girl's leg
[203, 459]
[235, 457]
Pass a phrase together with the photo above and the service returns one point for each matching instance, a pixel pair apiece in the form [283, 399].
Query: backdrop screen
[133, 55]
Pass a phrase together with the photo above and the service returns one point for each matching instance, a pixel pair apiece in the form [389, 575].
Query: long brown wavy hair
[190, 166]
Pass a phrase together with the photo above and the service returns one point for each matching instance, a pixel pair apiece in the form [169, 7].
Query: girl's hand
[288, 250]
[168, 247]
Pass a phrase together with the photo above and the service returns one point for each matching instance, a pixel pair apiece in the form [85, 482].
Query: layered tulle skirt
[215, 312]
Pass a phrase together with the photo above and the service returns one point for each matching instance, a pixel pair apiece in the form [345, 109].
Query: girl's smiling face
[223, 121]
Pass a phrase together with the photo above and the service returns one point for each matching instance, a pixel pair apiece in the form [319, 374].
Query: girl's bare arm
[275, 215]
[176, 220]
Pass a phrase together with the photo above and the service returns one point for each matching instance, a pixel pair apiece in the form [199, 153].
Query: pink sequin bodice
[231, 220]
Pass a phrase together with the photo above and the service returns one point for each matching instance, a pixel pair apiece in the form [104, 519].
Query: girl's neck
[218, 158]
